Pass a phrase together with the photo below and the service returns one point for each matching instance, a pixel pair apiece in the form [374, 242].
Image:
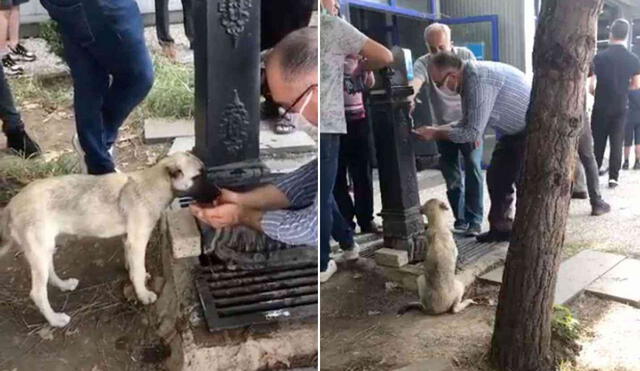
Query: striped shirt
[493, 94]
[297, 225]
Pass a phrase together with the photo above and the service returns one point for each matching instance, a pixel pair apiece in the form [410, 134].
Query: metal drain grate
[239, 298]
[470, 250]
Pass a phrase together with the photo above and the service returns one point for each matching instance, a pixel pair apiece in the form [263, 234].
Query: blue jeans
[341, 231]
[111, 68]
[329, 149]
[465, 195]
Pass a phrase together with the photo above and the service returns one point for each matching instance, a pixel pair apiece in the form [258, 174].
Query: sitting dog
[439, 288]
[93, 206]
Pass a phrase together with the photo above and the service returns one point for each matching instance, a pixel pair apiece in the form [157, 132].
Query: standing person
[632, 129]
[111, 70]
[497, 95]
[10, 47]
[167, 43]
[617, 71]
[465, 194]
[12, 126]
[338, 40]
[356, 151]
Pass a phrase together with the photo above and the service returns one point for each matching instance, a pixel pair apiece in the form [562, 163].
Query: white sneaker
[76, 145]
[613, 183]
[352, 254]
[332, 268]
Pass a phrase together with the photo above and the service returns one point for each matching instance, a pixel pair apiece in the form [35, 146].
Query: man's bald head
[296, 56]
[437, 36]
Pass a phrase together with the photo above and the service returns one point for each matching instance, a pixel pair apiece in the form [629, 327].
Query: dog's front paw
[69, 284]
[148, 297]
[59, 320]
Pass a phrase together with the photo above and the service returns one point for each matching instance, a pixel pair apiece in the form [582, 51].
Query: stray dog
[439, 288]
[93, 206]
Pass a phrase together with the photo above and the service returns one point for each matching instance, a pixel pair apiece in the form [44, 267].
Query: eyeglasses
[439, 84]
[266, 92]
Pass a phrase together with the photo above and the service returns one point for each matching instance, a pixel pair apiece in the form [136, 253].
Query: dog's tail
[5, 241]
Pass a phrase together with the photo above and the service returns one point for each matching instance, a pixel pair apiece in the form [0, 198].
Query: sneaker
[332, 268]
[613, 183]
[603, 171]
[600, 207]
[11, 67]
[473, 230]
[81, 161]
[494, 236]
[580, 195]
[20, 53]
[20, 142]
[351, 253]
[636, 166]
[625, 165]
[460, 227]
[371, 227]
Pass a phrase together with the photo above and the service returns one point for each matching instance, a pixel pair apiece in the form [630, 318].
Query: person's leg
[5, 15]
[14, 27]
[341, 188]
[474, 184]
[588, 161]
[340, 230]
[452, 173]
[329, 147]
[12, 126]
[616, 139]
[636, 134]
[162, 22]
[599, 133]
[359, 164]
[628, 141]
[187, 19]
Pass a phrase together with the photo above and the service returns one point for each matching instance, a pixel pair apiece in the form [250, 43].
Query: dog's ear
[173, 170]
[444, 206]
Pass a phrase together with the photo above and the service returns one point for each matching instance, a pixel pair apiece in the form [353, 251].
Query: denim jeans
[162, 20]
[11, 121]
[110, 65]
[465, 195]
[329, 148]
[341, 231]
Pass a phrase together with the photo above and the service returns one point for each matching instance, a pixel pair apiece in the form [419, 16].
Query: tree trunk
[564, 47]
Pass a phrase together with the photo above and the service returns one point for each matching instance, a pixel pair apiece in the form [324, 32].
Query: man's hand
[222, 216]
[426, 132]
[228, 197]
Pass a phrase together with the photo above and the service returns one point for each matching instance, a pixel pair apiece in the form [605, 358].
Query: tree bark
[564, 48]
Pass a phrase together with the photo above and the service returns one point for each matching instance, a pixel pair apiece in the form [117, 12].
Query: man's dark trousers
[329, 149]
[605, 124]
[505, 169]
[162, 21]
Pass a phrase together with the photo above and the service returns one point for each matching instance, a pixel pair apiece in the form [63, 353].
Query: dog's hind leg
[460, 304]
[135, 250]
[64, 285]
[38, 252]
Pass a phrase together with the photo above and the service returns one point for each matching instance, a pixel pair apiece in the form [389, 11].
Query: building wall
[511, 26]
[33, 12]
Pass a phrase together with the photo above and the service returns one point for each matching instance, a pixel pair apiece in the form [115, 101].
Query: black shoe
[473, 230]
[372, 227]
[613, 183]
[625, 165]
[580, 195]
[494, 236]
[22, 144]
[636, 166]
[20, 53]
[11, 67]
[600, 207]
[460, 227]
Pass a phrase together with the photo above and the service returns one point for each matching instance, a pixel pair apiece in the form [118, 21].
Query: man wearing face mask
[286, 211]
[465, 196]
[493, 94]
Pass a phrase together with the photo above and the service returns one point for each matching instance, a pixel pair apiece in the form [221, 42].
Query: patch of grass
[571, 249]
[49, 32]
[16, 172]
[566, 330]
[51, 93]
[172, 94]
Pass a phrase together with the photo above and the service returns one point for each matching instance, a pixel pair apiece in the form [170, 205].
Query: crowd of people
[465, 97]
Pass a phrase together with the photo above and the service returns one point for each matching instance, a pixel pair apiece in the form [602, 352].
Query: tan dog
[439, 288]
[93, 206]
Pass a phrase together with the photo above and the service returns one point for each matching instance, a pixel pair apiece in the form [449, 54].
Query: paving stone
[182, 144]
[298, 141]
[622, 283]
[438, 364]
[184, 234]
[159, 129]
[576, 273]
[391, 257]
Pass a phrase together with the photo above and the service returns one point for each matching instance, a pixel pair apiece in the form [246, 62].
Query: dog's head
[434, 208]
[185, 170]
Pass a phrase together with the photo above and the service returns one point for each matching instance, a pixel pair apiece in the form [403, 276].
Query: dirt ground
[107, 332]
